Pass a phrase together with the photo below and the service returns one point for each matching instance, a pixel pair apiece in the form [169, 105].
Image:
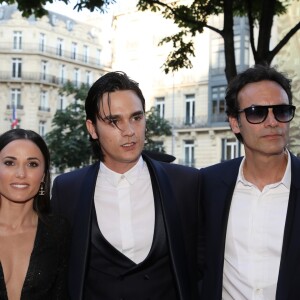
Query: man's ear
[91, 129]
[234, 124]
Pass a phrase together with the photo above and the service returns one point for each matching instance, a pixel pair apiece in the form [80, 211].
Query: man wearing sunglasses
[251, 205]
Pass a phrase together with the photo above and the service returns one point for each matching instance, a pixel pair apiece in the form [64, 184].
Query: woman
[33, 243]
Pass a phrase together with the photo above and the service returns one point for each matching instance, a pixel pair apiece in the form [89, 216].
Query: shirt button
[259, 291]
[146, 277]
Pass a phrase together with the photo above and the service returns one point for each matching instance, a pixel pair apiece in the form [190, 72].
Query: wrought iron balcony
[54, 52]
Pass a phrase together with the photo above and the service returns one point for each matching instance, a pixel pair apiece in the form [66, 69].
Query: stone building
[37, 56]
[192, 100]
[288, 60]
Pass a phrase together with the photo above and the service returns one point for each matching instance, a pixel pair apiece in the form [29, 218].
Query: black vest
[113, 276]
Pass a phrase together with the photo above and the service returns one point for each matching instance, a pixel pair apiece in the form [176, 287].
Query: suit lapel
[160, 181]
[81, 231]
[290, 256]
[229, 178]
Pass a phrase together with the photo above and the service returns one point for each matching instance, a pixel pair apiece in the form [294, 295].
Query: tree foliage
[156, 126]
[36, 7]
[193, 18]
[68, 140]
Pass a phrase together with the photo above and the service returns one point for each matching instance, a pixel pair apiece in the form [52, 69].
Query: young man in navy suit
[251, 205]
[134, 219]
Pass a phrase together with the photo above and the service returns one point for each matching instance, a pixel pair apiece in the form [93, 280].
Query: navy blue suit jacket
[178, 187]
[217, 186]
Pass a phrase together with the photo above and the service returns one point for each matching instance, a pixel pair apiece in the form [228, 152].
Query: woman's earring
[42, 189]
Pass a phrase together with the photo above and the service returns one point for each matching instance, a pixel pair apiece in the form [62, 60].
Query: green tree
[68, 140]
[192, 18]
[36, 7]
[156, 126]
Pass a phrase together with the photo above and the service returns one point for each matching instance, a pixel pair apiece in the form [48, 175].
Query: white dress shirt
[254, 238]
[125, 209]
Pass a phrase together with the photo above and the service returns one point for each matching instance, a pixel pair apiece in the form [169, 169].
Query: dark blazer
[217, 186]
[178, 186]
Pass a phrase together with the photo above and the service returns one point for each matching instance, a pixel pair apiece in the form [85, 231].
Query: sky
[67, 10]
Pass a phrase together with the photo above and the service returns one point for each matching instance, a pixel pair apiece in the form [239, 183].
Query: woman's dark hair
[41, 203]
[108, 83]
[254, 74]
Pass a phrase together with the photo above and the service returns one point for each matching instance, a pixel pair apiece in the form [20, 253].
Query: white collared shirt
[254, 238]
[125, 209]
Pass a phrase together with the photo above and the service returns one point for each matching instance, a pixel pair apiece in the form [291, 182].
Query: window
[74, 51]
[42, 42]
[44, 105]
[237, 49]
[241, 41]
[218, 104]
[69, 25]
[230, 148]
[62, 74]
[15, 96]
[246, 50]
[59, 47]
[62, 103]
[17, 36]
[241, 46]
[16, 68]
[88, 78]
[15, 104]
[160, 106]
[189, 151]
[42, 128]
[76, 77]
[217, 54]
[98, 55]
[44, 68]
[85, 54]
[190, 109]
[54, 20]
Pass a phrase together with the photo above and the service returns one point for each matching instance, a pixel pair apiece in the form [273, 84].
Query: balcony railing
[197, 121]
[31, 77]
[180, 122]
[217, 118]
[37, 78]
[19, 106]
[42, 108]
[54, 52]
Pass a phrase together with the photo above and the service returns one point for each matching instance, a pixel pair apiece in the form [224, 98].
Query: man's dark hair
[254, 74]
[108, 83]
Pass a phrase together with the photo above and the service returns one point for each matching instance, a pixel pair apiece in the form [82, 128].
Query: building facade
[38, 56]
[192, 100]
[288, 61]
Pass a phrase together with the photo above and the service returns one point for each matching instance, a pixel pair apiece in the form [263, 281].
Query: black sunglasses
[256, 114]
